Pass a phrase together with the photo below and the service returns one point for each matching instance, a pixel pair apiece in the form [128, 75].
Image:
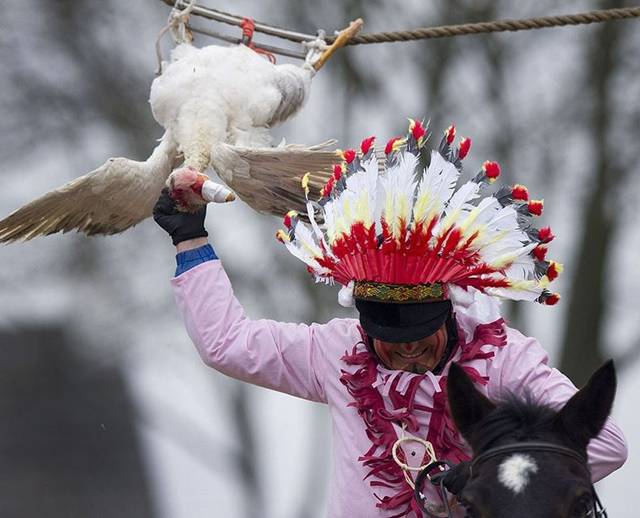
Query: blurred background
[105, 407]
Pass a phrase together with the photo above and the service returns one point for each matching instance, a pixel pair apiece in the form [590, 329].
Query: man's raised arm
[276, 355]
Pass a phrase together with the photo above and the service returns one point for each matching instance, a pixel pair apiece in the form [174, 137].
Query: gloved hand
[455, 478]
[181, 226]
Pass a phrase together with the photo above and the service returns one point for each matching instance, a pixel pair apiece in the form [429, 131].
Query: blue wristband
[190, 258]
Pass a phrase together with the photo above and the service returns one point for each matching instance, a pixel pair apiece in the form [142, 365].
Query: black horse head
[510, 476]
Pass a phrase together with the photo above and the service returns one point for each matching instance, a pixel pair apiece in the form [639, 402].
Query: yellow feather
[346, 210]
[403, 207]
[523, 284]
[504, 261]
[362, 209]
[314, 251]
[497, 236]
[340, 227]
[450, 219]
[388, 207]
[471, 217]
[283, 236]
[480, 229]
[420, 207]
[398, 144]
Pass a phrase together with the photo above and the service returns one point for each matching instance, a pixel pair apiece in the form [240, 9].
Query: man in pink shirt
[423, 263]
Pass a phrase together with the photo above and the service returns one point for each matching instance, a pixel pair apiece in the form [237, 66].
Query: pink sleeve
[523, 366]
[274, 355]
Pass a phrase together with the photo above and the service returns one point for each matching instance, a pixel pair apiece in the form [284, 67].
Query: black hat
[399, 323]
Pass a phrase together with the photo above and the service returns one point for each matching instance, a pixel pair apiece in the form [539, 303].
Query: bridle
[597, 509]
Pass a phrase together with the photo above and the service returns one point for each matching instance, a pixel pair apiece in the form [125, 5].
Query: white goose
[217, 105]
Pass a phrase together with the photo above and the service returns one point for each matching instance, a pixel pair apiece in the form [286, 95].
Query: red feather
[464, 147]
[417, 130]
[389, 147]
[366, 144]
[536, 206]
[491, 169]
[519, 192]
[545, 235]
[552, 271]
[539, 252]
[450, 134]
[349, 155]
[552, 299]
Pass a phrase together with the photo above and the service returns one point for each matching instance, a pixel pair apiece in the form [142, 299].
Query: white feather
[529, 293]
[362, 188]
[434, 190]
[504, 219]
[460, 200]
[398, 186]
[439, 179]
[458, 207]
[311, 214]
[512, 254]
[305, 239]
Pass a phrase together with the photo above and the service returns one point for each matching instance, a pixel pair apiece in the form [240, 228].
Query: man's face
[417, 357]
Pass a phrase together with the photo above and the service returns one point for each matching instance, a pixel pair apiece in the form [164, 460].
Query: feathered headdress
[392, 229]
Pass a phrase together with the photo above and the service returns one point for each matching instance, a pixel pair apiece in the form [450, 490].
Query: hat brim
[401, 323]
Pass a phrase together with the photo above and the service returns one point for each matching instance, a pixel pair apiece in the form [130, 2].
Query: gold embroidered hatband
[399, 293]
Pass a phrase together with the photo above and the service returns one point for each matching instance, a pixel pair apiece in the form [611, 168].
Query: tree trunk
[582, 351]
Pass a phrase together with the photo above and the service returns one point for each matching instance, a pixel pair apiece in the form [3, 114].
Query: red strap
[248, 28]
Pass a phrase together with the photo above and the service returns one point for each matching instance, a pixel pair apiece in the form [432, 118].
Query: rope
[177, 25]
[248, 27]
[446, 31]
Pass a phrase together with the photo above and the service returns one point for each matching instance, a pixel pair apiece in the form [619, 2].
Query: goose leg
[343, 37]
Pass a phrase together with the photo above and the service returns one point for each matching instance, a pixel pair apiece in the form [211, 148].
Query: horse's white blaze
[515, 471]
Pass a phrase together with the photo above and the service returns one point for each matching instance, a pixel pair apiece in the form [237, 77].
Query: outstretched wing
[269, 179]
[114, 197]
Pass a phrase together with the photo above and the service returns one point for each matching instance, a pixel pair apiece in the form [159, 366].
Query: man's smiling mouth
[414, 355]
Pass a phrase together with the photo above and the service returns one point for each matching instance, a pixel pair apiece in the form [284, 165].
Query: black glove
[181, 226]
[455, 478]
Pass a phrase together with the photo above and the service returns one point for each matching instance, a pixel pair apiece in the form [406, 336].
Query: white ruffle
[475, 307]
[345, 295]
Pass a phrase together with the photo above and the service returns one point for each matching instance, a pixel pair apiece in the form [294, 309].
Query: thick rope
[446, 31]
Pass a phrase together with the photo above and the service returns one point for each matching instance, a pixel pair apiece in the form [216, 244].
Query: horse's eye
[582, 507]
[469, 509]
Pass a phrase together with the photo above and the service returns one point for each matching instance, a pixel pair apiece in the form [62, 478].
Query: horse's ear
[584, 415]
[468, 405]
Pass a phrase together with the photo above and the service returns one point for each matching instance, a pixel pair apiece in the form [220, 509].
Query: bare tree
[583, 350]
